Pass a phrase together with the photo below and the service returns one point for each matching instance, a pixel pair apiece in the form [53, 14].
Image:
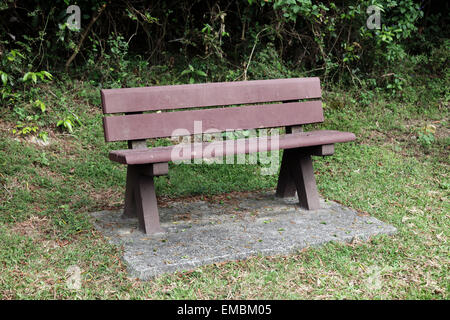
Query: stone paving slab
[200, 232]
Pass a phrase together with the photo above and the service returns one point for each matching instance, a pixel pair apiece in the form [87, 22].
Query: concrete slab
[200, 232]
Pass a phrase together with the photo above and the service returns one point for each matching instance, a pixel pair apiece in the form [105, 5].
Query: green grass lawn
[389, 173]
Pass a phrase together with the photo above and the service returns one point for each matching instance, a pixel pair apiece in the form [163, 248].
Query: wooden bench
[153, 112]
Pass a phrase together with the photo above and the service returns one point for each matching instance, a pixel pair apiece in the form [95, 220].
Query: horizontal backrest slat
[166, 124]
[208, 94]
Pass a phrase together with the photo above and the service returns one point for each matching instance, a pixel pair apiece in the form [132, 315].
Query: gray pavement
[199, 232]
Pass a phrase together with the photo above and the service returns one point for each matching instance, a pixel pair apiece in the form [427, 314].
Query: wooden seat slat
[238, 146]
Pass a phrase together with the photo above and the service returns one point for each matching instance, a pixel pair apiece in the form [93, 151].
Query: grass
[46, 192]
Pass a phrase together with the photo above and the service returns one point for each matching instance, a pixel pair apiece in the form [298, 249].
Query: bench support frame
[140, 196]
[297, 174]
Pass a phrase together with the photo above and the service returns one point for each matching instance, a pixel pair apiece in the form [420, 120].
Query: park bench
[138, 114]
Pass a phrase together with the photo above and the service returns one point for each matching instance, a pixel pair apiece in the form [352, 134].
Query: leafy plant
[395, 85]
[29, 123]
[192, 73]
[23, 129]
[40, 105]
[43, 135]
[109, 62]
[34, 76]
[425, 136]
[69, 122]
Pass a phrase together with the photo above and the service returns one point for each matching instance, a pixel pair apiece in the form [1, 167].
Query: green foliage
[329, 37]
[69, 222]
[135, 44]
[395, 86]
[69, 122]
[192, 73]
[40, 105]
[23, 129]
[339, 37]
[11, 72]
[29, 121]
[43, 135]
[34, 76]
[425, 136]
[109, 64]
[21, 86]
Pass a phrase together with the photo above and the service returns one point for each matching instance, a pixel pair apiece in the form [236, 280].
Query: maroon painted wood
[156, 169]
[220, 148]
[297, 174]
[146, 205]
[208, 94]
[285, 186]
[131, 181]
[143, 126]
[302, 173]
[130, 200]
[323, 150]
[139, 185]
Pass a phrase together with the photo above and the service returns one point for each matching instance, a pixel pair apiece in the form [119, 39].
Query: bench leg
[297, 173]
[286, 186]
[303, 175]
[146, 205]
[130, 201]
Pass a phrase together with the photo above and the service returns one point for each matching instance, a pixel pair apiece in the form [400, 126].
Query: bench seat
[221, 148]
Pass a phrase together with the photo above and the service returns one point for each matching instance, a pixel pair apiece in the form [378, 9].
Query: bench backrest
[162, 120]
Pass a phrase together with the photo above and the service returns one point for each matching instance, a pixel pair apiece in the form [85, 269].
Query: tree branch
[84, 35]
